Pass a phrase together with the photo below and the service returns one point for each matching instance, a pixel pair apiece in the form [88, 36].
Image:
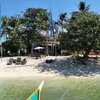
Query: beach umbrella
[38, 48]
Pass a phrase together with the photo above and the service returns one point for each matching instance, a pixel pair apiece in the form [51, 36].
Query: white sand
[37, 67]
[30, 69]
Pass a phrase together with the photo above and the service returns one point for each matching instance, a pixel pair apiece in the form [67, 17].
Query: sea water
[55, 88]
[21, 88]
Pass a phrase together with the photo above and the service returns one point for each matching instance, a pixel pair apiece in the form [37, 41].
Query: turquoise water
[21, 88]
[54, 88]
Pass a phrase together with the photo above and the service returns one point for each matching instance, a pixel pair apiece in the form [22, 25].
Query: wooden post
[55, 44]
[46, 43]
[1, 50]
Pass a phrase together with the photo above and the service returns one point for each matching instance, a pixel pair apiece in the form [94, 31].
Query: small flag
[36, 94]
[51, 26]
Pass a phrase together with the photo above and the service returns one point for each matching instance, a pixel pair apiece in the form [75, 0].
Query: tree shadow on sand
[69, 67]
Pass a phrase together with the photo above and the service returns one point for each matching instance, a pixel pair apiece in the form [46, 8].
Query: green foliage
[35, 20]
[62, 38]
[82, 34]
[84, 31]
[83, 7]
[62, 20]
[4, 24]
[27, 29]
[11, 45]
[13, 26]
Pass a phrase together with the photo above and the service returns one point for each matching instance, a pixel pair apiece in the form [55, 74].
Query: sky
[14, 7]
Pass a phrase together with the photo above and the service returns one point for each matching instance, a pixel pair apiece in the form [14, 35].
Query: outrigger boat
[36, 94]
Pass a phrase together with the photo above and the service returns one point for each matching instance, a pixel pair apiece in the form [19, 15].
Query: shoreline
[29, 70]
[38, 68]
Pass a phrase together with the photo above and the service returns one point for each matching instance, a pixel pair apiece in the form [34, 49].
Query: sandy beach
[62, 77]
[28, 70]
[62, 66]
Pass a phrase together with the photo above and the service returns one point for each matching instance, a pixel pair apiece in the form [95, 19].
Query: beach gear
[36, 95]
[10, 61]
[38, 48]
[18, 61]
[24, 61]
[49, 61]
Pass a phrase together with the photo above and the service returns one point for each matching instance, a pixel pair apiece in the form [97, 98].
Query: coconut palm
[82, 6]
[14, 26]
[5, 21]
[62, 19]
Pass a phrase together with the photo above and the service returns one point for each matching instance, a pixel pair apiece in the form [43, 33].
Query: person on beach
[9, 53]
[18, 52]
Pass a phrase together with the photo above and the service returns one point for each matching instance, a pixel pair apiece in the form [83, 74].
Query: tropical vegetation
[79, 33]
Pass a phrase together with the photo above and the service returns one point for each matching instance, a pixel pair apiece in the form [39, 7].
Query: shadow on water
[69, 67]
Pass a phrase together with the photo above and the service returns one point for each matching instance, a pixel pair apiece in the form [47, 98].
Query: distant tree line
[82, 31]
[22, 31]
[78, 34]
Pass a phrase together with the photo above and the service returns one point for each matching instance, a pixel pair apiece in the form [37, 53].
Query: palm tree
[82, 6]
[5, 21]
[14, 26]
[62, 18]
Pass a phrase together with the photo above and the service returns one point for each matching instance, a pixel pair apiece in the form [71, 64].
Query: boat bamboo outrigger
[36, 94]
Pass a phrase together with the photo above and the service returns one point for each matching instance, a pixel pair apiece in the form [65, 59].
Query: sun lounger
[10, 61]
[18, 61]
[24, 61]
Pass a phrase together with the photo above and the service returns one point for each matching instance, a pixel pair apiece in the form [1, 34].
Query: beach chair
[37, 56]
[10, 61]
[18, 61]
[24, 61]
